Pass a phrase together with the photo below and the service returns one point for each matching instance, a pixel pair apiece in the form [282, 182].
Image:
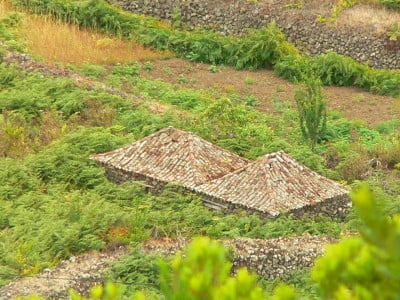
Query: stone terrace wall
[236, 16]
[269, 258]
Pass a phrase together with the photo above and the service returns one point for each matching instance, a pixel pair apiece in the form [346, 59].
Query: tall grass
[378, 19]
[58, 42]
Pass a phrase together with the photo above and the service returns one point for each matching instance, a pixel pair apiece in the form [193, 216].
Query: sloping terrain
[57, 205]
[268, 88]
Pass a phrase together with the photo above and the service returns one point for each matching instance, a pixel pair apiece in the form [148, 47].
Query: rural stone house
[277, 184]
[272, 185]
[170, 156]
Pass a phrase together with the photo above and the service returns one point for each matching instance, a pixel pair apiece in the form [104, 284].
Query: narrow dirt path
[269, 89]
[78, 273]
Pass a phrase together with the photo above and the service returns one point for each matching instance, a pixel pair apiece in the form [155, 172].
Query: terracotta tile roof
[273, 184]
[173, 155]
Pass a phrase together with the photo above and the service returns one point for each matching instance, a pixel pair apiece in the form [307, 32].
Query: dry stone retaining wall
[269, 258]
[236, 16]
[79, 273]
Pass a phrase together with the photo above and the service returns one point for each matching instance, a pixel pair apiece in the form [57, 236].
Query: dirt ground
[268, 88]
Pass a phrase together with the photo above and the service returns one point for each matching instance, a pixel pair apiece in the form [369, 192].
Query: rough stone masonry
[269, 258]
[302, 29]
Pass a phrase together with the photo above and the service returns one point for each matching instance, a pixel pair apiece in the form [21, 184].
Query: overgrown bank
[259, 49]
[55, 203]
[366, 41]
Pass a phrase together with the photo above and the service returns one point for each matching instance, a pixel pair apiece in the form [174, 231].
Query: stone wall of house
[270, 258]
[236, 16]
[121, 176]
[336, 208]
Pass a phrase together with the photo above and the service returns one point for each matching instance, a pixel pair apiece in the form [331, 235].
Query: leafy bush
[137, 271]
[43, 228]
[395, 4]
[349, 269]
[335, 69]
[204, 274]
[66, 160]
[293, 67]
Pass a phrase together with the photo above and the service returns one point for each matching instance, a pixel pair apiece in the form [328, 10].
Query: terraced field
[69, 91]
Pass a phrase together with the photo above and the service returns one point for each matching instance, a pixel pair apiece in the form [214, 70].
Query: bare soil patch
[268, 88]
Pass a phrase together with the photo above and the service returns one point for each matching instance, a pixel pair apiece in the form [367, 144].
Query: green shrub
[137, 271]
[364, 267]
[204, 274]
[311, 106]
[395, 4]
[335, 69]
[66, 160]
[293, 67]
[16, 179]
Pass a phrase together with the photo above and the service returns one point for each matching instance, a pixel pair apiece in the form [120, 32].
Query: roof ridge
[192, 158]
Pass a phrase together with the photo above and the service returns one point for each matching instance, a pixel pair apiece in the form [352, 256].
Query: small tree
[311, 106]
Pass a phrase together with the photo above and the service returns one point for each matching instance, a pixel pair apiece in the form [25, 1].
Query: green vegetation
[365, 267]
[55, 202]
[258, 49]
[361, 267]
[53, 198]
[394, 4]
[394, 32]
[311, 106]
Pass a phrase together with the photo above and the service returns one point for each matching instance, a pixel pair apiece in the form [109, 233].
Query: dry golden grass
[373, 17]
[64, 43]
[5, 8]
[57, 42]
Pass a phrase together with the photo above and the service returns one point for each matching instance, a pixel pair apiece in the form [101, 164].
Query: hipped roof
[273, 184]
[173, 155]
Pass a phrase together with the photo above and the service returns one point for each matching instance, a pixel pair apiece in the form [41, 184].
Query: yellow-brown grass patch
[5, 8]
[373, 17]
[57, 42]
